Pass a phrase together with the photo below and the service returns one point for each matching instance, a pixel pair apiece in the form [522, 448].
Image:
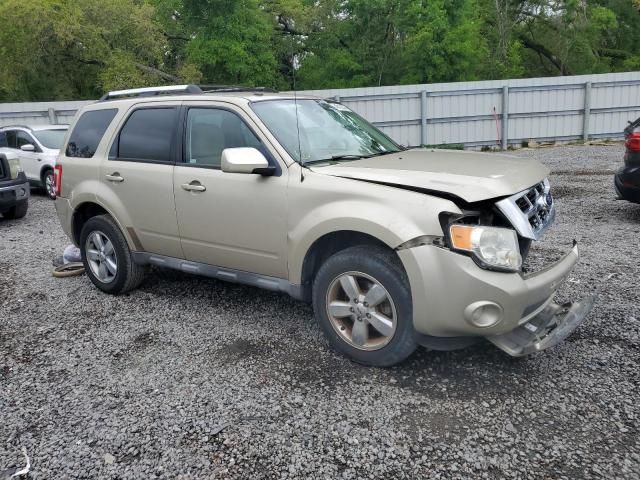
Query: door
[231, 220]
[138, 178]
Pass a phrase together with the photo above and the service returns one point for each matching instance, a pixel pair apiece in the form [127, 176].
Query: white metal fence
[471, 113]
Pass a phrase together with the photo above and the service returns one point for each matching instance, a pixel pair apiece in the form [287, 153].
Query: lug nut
[365, 304]
[351, 310]
[368, 315]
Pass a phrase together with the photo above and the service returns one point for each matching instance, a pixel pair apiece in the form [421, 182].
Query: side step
[226, 274]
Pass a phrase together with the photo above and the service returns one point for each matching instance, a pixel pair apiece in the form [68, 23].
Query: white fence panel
[469, 113]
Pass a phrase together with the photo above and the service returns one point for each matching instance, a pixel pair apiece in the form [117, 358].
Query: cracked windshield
[329, 132]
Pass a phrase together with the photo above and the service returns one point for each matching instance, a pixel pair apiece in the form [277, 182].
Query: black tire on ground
[385, 267]
[48, 176]
[19, 210]
[129, 275]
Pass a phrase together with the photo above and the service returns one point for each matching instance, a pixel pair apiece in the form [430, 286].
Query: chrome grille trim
[531, 211]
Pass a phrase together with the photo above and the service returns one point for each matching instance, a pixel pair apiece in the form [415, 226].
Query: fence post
[587, 111]
[423, 117]
[505, 117]
[53, 118]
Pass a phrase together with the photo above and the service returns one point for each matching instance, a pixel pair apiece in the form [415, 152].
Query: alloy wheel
[361, 311]
[101, 256]
[49, 185]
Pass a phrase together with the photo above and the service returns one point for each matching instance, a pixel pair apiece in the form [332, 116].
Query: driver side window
[209, 131]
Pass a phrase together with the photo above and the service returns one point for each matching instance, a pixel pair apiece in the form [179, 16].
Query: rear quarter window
[88, 132]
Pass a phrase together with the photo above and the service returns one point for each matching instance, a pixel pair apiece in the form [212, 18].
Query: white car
[38, 148]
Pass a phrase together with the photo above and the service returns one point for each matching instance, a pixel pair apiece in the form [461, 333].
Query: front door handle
[114, 177]
[194, 186]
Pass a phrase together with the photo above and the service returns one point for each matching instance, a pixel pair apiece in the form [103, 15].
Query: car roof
[36, 128]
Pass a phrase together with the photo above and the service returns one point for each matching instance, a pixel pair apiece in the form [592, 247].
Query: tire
[369, 265]
[48, 183]
[19, 210]
[128, 275]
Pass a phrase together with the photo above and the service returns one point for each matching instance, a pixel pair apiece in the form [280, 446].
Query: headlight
[14, 167]
[493, 247]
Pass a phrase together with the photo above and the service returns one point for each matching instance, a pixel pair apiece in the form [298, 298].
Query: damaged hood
[471, 176]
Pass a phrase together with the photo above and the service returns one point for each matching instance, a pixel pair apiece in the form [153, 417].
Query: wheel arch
[88, 209]
[45, 168]
[327, 245]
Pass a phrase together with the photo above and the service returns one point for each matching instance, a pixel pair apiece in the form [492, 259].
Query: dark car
[627, 179]
[14, 187]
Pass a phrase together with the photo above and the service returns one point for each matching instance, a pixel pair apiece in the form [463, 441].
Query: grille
[531, 211]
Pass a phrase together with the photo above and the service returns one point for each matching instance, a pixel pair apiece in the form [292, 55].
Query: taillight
[58, 180]
[633, 142]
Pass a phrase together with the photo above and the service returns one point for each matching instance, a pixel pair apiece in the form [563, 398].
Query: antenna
[295, 102]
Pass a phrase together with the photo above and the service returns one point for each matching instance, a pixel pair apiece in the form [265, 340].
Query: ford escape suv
[394, 247]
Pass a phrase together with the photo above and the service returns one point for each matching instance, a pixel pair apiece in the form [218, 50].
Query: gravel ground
[194, 378]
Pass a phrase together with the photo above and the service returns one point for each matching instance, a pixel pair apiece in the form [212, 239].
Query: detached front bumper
[545, 330]
[449, 289]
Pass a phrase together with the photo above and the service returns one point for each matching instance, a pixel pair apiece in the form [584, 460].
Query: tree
[226, 41]
[77, 48]
[53, 49]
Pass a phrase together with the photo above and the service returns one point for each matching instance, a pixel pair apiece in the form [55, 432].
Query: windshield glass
[50, 138]
[328, 131]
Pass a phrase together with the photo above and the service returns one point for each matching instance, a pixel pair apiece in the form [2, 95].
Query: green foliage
[76, 48]
[56, 49]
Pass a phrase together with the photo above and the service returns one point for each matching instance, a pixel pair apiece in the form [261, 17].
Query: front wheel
[362, 301]
[106, 256]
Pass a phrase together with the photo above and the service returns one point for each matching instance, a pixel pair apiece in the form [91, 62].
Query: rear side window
[148, 135]
[88, 132]
[3, 140]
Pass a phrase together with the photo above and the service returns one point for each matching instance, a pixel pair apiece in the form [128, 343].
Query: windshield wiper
[347, 157]
[335, 158]
[379, 154]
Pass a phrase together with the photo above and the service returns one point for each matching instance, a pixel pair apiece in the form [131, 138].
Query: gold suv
[394, 247]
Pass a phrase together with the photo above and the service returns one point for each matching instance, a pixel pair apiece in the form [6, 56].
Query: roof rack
[151, 91]
[181, 89]
[235, 88]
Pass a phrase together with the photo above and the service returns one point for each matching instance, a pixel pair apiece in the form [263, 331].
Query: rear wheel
[48, 182]
[19, 210]
[362, 301]
[107, 258]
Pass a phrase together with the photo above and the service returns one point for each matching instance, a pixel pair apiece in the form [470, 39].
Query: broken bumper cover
[547, 329]
[446, 286]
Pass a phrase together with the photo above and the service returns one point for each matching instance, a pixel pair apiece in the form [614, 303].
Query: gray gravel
[194, 378]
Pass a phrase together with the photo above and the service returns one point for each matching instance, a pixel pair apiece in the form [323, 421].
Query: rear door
[138, 176]
[232, 220]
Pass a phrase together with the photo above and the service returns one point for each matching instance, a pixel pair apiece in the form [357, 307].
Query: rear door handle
[194, 186]
[114, 177]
